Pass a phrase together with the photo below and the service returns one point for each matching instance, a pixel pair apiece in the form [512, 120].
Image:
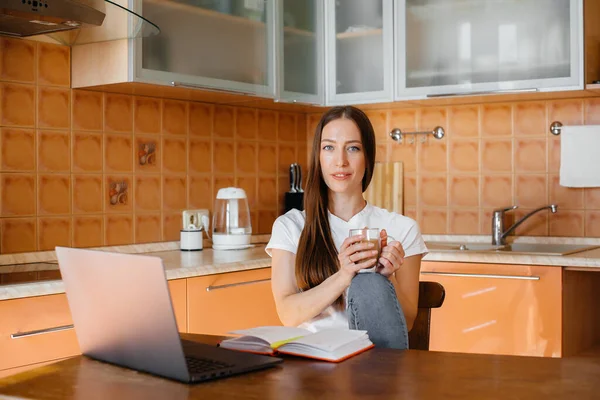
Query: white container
[190, 240]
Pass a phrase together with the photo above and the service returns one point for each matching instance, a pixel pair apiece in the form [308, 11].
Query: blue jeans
[373, 306]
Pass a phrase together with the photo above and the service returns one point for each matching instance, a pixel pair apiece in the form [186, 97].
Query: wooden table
[378, 373]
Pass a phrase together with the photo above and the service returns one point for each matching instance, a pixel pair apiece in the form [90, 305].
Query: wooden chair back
[431, 295]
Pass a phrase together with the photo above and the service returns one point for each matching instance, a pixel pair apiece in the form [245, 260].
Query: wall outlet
[196, 218]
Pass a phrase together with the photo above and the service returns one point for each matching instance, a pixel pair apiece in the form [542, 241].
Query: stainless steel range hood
[35, 17]
[73, 22]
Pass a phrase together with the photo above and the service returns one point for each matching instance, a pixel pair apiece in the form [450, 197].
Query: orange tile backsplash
[54, 194]
[18, 105]
[53, 151]
[493, 155]
[87, 194]
[18, 149]
[86, 168]
[174, 117]
[54, 65]
[89, 168]
[53, 108]
[87, 110]
[54, 232]
[147, 113]
[88, 231]
[18, 61]
[118, 113]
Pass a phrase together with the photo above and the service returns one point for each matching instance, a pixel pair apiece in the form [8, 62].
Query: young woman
[316, 280]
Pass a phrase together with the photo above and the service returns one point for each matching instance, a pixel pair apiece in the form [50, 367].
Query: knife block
[294, 200]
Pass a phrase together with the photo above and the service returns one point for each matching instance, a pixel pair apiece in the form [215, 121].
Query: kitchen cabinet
[221, 303]
[35, 330]
[214, 44]
[349, 52]
[224, 45]
[497, 309]
[300, 51]
[27, 334]
[359, 51]
[466, 46]
[178, 291]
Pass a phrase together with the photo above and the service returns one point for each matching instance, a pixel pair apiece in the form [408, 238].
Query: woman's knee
[371, 288]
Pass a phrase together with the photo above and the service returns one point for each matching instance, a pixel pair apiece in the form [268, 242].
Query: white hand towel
[580, 156]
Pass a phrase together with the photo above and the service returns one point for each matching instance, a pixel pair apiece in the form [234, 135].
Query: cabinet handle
[211, 288]
[40, 331]
[483, 92]
[493, 276]
[208, 89]
[293, 101]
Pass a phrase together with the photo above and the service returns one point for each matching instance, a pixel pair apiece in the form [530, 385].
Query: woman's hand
[392, 256]
[355, 255]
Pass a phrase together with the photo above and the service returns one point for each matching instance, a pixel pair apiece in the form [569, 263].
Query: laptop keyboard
[197, 365]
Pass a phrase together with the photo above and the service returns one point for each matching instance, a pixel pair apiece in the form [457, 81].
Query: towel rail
[555, 127]
[437, 132]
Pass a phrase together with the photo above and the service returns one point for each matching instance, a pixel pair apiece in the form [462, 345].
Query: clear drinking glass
[371, 235]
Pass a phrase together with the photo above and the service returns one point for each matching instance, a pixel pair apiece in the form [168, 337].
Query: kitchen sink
[447, 246]
[513, 248]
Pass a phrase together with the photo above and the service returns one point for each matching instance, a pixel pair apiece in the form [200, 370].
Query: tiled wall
[493, 155]
[83, 168]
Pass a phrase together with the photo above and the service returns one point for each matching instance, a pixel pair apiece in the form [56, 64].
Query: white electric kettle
[232, 227]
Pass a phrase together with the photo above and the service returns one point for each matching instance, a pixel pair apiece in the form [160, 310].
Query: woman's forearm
[410, 310]
[297, 308]
[406, 283]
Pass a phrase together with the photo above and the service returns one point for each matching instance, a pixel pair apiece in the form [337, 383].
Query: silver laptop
[122, 312]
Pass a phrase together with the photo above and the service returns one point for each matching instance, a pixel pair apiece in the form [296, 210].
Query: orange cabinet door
[497, 309]
[37, 329]
[221, 303]
[32, 330]
[178, 290]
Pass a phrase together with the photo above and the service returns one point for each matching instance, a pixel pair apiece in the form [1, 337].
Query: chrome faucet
[498, 233]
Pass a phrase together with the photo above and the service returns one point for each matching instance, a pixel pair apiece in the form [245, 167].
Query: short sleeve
[413, 242]
[283, 236]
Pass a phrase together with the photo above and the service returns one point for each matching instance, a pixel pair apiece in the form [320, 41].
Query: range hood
[73, 22]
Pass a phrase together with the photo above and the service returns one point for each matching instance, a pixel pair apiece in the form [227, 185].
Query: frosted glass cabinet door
[220, 44]
[463, 46]
[359, 51]
[300, 51]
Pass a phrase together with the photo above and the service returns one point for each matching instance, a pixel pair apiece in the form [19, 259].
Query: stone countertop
[585, 259]
[180, 265]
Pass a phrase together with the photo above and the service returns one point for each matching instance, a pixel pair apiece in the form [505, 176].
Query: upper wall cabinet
[359, 51]
[300, 61]
[446, 47]
[215, 44]
[347, 51]
[221, 44]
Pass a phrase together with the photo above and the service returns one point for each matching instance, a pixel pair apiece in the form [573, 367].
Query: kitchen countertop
[180, 265]
[584, 259]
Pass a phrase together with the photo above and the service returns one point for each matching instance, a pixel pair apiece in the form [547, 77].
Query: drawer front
[178, 290]
[497, 309]
[27, 334]
[221, 303]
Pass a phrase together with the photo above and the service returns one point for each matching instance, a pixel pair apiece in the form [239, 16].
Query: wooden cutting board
[386, 187]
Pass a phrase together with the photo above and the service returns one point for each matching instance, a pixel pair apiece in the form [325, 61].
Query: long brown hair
[316, 257]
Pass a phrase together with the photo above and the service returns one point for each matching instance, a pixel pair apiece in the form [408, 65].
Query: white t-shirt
[288, 227]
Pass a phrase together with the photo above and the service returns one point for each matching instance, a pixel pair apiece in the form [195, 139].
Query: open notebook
[333, 345]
